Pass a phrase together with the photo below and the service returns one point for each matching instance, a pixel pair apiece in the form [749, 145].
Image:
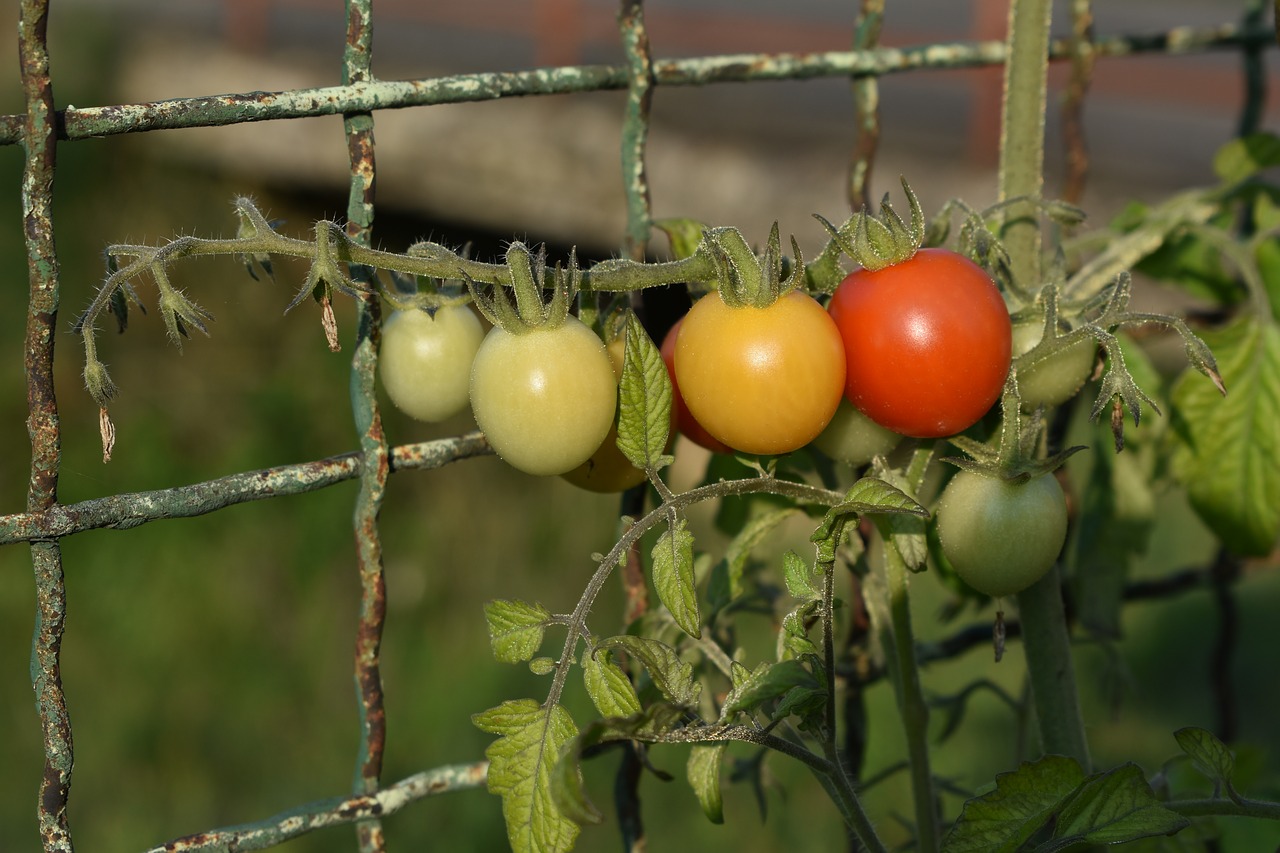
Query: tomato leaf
[1053, 795]
[1267, 254]
[1246, 156]
[904, 532]
[768, 681]
[673, 576]
[1022, 802]
[1209, 755]
[567, 791]
[1226, 448]
[521, 764]
[1111, 808]
[644, 416]
[703, 771]
[797, 574]
[542, 666]
[671, 675]
[608, 686]
[793, 639]
[515, 629]
[871, 495]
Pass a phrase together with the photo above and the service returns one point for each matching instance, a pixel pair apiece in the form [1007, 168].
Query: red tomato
[684, 420]
[762, 380]
[927, 343]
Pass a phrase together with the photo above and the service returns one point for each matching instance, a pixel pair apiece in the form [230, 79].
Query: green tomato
[545, 399]
[1056, 379]
[854, 438]
[1001, 536]
[425, 360]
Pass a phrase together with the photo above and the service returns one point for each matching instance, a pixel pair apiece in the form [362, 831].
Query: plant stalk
[1045, 634]
[1049, 663]
[911, 701]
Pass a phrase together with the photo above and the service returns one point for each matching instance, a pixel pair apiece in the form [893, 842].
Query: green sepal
[873, 243]
[745, 279]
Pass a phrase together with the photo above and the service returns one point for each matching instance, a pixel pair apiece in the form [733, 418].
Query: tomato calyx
[1015, 458]
[530, 279]
[878, 243]
[745, 279]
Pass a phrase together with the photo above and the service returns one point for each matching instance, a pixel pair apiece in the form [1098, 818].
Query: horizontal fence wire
[46, 521]
[368, 96]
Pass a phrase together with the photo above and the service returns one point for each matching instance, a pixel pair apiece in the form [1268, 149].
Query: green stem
[1022, 134]
[1225, 808]
[837, 782]
[1045, 633]
[1049, 663]
[911, 701]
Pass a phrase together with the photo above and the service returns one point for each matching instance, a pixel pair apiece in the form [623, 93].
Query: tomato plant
[927, 343]
[1001, 535]
[545, 398]
[762, 380]
[684, 420]
[425, 360]
[1055, 379]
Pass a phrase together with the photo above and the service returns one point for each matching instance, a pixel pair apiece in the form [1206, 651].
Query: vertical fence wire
[1082, 61]
[866, 106]
[357, 61]
[635, 136]
[40, 144]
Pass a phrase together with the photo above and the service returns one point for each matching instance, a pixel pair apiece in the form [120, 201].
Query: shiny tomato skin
[761, 380]
[545, 399]
[927, 343]
[685, 422]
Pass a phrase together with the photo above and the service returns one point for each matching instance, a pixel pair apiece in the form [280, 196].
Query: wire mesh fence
[46, 125]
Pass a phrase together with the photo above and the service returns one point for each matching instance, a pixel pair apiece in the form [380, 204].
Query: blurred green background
[207, 662]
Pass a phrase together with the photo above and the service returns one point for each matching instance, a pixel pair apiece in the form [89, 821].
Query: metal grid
[46, 521]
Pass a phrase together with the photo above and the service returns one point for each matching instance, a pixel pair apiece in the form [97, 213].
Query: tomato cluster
[918, 348]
